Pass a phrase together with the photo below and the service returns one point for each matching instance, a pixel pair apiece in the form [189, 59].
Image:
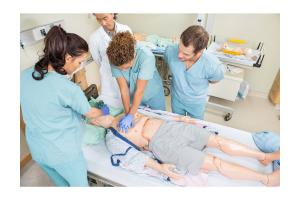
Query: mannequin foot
[272, 179]
[267, 160]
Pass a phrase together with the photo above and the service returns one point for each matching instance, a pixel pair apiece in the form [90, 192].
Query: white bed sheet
[98, 163]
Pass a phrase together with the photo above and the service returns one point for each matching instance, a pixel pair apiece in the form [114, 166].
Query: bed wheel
[227, 116]
[166, 90]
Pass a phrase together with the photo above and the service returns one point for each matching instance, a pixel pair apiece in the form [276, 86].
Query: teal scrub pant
[73, 173]
[194, 110]
[157, 102]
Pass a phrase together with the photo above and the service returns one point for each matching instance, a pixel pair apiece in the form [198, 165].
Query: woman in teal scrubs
[133, 65]
[53, 107]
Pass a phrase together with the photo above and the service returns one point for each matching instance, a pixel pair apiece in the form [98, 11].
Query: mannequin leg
[234, 171]
[236, 149]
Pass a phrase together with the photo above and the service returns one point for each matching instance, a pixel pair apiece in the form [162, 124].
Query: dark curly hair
[121, 48]
[58, 43]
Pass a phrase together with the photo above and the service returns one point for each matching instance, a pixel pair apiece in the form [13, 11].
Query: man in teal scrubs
[192, 69]
[133, 65]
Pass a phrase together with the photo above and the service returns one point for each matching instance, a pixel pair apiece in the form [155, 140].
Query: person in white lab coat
[99, 41]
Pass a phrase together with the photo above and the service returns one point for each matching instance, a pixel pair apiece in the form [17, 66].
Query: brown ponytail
[58, 43]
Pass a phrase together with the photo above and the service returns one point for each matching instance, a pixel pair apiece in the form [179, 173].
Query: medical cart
[235, 66]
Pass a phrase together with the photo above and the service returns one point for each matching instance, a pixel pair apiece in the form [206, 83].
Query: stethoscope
[129, 73]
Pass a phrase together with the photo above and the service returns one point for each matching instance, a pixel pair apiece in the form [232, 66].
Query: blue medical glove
[126, 122]
[105, 110]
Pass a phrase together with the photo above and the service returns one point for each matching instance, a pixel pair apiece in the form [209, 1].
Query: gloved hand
[105, 110]
[126, 122]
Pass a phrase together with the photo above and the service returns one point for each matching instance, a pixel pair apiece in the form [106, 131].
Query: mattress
[99, 165]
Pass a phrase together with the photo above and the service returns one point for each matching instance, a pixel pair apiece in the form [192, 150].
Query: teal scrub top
[52, 109]
[143, 69]
[191, 85]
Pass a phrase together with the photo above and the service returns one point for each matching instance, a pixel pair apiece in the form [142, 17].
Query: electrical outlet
[37, 33]
[43, 32]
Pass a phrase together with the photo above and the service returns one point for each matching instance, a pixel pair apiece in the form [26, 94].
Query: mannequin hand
[126, 122]
[104, 121]
[188, 119]
[185, 119]
[168, 170]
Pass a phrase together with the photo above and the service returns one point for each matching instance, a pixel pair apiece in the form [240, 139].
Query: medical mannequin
[145, 129]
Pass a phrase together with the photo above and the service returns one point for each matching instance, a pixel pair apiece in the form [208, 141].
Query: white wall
[81, 24]
[85, 24]
[165, 25]
[252, 27]
[255, 28]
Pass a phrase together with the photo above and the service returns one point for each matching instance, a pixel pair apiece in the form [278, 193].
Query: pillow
[94, 134]
[268, 142]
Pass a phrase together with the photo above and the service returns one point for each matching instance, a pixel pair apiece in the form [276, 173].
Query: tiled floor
[253, 114]
[32, 175]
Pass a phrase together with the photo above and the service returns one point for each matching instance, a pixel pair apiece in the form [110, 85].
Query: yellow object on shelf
[234, 47]
[236, 53]
[238, 41]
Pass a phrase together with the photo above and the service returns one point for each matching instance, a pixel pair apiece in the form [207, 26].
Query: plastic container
[234, 46]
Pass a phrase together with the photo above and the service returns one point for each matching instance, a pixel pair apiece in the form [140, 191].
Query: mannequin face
[72, 63]
[106, 20]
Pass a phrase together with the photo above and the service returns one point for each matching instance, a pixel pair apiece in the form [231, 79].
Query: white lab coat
[99, 41]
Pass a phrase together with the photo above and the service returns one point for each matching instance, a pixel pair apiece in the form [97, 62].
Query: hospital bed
[102, 173]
